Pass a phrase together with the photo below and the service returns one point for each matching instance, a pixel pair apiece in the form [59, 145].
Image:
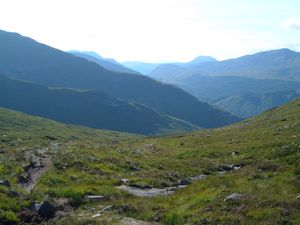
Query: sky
[157, 30]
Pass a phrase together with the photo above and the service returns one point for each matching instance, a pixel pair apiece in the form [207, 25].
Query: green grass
[94, 162]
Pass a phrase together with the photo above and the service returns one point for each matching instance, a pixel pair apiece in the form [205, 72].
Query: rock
[45, 209]
[200, 177]
[233, 197]
[4, 183]
[124, 180]
[184, 182]
[23, 179]
[236, 167]
[96, 215]
[235, 154]
[150, 146]
[94, 198]
[30, 166]
[224, 168]
[140, 186]
[298, 197]
[107, 208]
[208, 209]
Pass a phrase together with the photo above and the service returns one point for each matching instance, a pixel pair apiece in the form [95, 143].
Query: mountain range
[148, 68]
[273, 64]
[25, 59]
[271, 73]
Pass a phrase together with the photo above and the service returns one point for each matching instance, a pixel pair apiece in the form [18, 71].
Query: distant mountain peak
[201, 59]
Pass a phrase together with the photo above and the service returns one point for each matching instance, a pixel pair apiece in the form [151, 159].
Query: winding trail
[36, 173]
[152, 192]
[41, 165]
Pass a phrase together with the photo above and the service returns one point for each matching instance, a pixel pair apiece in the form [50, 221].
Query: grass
[93, 162]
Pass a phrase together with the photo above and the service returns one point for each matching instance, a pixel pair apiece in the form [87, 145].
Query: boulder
[23, 179]
[233, 197]
[45, 209]
[4, 183]
[184, 182]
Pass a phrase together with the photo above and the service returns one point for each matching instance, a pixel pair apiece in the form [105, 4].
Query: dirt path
[148, 192]
[152, 192]
[40, 162]
[37, 172]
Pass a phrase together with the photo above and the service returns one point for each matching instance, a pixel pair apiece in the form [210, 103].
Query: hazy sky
[156, 30]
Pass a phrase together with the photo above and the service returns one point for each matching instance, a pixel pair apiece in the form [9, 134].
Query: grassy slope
[88, 108]
[269, 181]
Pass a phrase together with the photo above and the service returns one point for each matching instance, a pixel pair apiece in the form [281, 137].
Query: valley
[143, 112]
[90, 162]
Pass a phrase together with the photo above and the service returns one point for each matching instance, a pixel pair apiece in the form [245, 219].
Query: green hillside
[265, 150]
[89, 108]
[250, 104]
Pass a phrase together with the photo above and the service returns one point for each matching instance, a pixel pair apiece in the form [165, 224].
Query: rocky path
[37, 172]
[152, 192]
[39, 163]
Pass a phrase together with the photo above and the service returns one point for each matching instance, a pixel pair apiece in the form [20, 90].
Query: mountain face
[26, 59]
[108, 64]
[142, 67]
[89, 108]
[250, 104]
[174, 72]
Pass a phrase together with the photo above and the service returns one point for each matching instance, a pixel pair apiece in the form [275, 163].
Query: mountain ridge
[87, 108]
[26, 59]
[109, 64]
